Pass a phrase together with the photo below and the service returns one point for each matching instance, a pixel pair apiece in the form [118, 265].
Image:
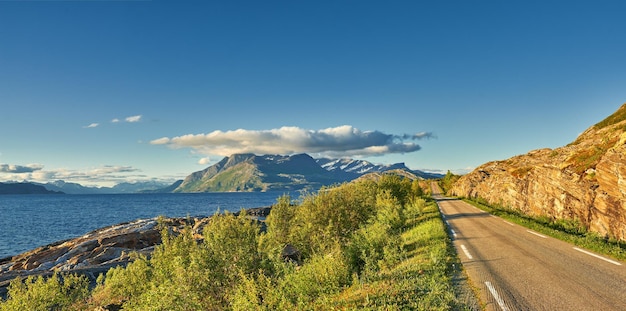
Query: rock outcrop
[98, 251]
[583, 181]
[91, 255]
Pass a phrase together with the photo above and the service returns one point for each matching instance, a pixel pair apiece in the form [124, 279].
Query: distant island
[25, 188]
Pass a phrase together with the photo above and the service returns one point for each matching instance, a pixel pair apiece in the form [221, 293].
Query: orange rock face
[583, 181]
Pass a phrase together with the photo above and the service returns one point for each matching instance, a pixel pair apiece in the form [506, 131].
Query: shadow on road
[470, 215]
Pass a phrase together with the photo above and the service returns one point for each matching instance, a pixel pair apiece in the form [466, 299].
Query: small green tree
[416, 189]
[448, 181]
[399, 187]
[389, 211]
[279, 226]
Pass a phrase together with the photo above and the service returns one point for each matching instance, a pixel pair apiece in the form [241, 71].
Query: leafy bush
[39, 293]
[322, 275]
[398, 187]
[366, 249]
[322, 220]
[389, 212]
[184, 274]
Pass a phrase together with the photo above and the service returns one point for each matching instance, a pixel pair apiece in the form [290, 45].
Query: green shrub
[448, 181]
[319, 277]
[331, 216]
[367, 248]
[185, 274]
[39, 293]
[389, 211]
[398, 187]
[415, 207]
[280, 220]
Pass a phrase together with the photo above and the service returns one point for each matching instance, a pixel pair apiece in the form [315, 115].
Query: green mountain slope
[249, 172]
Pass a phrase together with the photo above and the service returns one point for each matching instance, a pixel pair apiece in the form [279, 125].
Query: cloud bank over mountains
[334, 142]
[341, 141]
[107, 174]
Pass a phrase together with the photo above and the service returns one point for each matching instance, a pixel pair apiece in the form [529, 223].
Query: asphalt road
[514, 268]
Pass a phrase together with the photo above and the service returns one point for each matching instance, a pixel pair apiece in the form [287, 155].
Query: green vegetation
[366, 245]
[448, 181]
[618, 116]
[589, 157]
[569, 230]
[39, 294]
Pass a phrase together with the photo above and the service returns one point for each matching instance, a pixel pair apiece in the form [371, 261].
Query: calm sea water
[29, 221]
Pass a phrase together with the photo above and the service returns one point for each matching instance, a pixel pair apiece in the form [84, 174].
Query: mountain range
[240, 172]
[125, 187]
[250, 172]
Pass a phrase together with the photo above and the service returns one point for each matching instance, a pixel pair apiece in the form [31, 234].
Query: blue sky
[99, 92]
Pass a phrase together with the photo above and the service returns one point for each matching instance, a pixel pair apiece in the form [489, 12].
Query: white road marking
[512, 224]
[537, 234]
[466, 252]
[597, 256]
[496, 296]
[453, 233]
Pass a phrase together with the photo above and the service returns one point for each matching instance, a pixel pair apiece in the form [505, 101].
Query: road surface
[514, 268]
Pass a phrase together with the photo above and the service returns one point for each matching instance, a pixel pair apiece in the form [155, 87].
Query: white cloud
[337, 141]
[204, 161]
[92, 125]
[160, 141]
[104, 175]
[132, 119]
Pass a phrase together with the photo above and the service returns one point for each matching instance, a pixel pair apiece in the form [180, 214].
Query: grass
[568, 230]
[618, 116]
[420, 280]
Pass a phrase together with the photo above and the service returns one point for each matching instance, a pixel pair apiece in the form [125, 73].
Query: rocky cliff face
[585, 180]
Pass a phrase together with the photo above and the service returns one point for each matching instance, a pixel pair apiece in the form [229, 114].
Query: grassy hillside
[367, 245]
[617, 117]
[242, 177]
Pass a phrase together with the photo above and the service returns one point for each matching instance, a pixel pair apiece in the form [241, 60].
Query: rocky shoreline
[100, 250]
